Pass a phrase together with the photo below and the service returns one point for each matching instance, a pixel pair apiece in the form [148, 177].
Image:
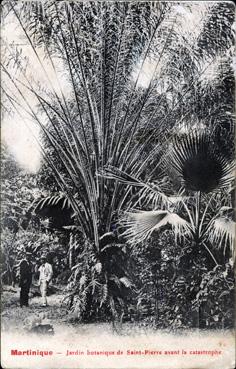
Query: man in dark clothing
[25, 279]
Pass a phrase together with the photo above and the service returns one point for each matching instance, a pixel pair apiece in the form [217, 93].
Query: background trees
[120, 81]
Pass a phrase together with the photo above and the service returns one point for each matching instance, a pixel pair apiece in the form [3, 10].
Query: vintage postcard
[117, 182]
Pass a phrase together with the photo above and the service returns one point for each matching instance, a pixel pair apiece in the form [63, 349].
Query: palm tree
[97, 108]
[105, 53]
[199, 172]
[84, 132]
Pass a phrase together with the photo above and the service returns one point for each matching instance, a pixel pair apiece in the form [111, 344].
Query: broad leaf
[141, 224]
[221, 232]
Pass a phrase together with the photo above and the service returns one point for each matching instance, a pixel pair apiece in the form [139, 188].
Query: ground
[132, 342]
[15, 318]
[21, 320]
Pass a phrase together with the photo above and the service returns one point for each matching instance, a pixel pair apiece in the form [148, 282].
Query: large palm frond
[104, 47]
[197, 162]
[149, 193]
[141, 224]
[217, 33]
[58, 199]
[222, 233]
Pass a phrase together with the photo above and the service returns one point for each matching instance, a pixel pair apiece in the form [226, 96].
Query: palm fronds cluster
[199, 164]
[135, 104]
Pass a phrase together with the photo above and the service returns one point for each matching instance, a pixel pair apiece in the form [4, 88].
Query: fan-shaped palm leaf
[195, 159]
[141, 224]
[222, 232]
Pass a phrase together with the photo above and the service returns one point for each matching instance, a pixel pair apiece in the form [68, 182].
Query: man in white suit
[45, 276]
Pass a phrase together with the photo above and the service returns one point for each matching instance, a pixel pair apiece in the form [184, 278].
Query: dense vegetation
[137, 128]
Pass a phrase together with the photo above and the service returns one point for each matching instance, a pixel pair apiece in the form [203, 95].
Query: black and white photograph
[117, 184]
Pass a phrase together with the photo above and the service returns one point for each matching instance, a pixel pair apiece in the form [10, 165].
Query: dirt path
[99, 337]
[20, 320]
[15, 318]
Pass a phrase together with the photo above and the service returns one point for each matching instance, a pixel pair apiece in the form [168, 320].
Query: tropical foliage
[136, 109]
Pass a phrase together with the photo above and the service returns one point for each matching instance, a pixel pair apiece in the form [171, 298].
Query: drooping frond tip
[222, 232]
[61, 200]
[114, 173]
[140, 225]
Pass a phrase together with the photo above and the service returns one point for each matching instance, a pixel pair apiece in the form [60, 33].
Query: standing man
[45, 276]
[25, 279]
